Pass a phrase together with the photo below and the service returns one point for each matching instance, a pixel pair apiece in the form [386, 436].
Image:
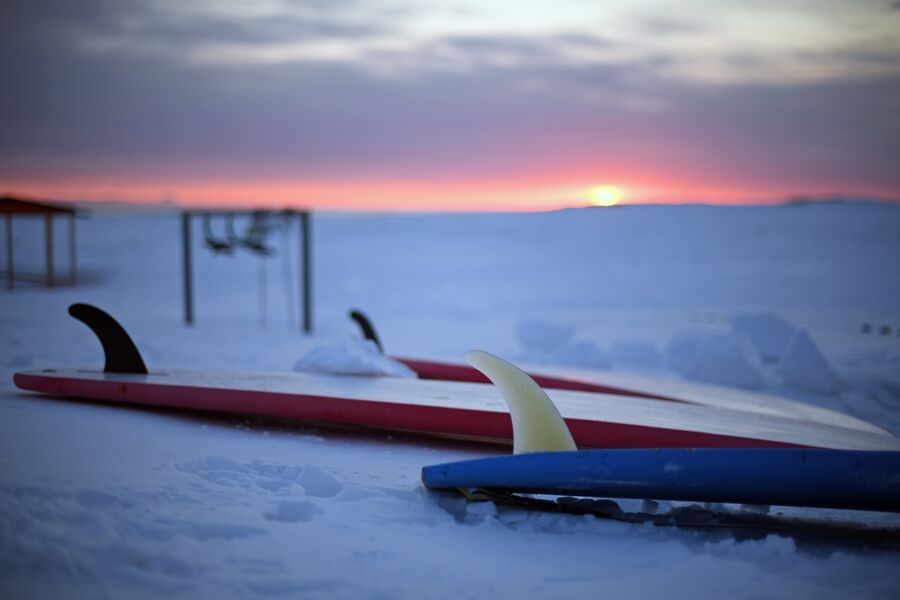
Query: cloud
[668, 26]
[719, 43]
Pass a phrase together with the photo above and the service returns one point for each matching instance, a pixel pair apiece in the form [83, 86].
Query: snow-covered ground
[105, 501]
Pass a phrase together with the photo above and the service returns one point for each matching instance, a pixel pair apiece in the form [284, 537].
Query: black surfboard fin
[368, 330]
[121, 354]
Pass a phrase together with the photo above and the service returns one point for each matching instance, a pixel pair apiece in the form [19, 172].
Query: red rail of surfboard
[428, 420]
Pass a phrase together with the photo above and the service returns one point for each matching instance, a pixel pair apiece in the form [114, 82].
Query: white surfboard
[451, 409]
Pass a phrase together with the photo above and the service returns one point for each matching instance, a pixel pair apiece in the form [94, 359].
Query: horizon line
[272, 206]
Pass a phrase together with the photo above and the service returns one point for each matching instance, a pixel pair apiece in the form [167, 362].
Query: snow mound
[316, 481]
[352, 357]
[582, 353]
[540, 336]
[546, 342]
[759, 349]
[769, 334]
[638, 355]
[714, 357]
[804, 367]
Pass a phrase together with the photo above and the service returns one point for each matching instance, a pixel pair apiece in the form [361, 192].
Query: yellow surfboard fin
[537, 424]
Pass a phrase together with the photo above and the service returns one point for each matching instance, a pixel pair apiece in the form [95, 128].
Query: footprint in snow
[231, 473]
[314, 480]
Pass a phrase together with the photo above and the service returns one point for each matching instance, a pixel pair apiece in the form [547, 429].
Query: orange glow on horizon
[607, 195]
[536, 194]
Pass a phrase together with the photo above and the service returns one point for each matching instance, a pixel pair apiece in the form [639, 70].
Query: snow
[714, 357]
[352, 357]
[803, 366]
[545, 342]
[106, 501]
[769, 334]
[539, 336]
[636, 355]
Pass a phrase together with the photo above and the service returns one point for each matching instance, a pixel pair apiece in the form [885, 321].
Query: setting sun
[606, 195]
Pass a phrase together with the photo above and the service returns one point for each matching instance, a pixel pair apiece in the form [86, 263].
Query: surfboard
[844, 479]
[449, 409]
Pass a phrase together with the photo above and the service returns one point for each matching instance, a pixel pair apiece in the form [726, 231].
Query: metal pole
[186, 268]
[9, 253]
[73, 271]
[306, 270]
[263, 296]
[48, 247]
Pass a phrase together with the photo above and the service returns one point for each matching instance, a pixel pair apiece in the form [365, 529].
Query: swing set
[255, 240]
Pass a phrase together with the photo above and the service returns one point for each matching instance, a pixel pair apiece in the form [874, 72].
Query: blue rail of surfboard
[862, 480]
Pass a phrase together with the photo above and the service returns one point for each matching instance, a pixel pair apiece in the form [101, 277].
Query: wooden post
[48, 248]
[186, 268]
[10, 277]
[73, 270]
[306, 270]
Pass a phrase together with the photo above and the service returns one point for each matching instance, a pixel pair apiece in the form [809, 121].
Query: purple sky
[488, 101]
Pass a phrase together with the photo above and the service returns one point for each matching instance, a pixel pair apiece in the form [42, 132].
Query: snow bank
[795, 357]
[543, 336]
[759, 349]
[769, 334]
[582, 353]
[713, 357]
[636, 355]
[547, 342]
[804, 367]
[352, 357]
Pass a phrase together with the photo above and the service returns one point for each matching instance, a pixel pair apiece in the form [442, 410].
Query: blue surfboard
[849, 479]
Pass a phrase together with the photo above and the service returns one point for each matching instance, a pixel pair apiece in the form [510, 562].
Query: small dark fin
[122, 355]
[368, 330]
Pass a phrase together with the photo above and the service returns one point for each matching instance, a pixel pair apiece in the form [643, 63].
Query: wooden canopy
[19, 206]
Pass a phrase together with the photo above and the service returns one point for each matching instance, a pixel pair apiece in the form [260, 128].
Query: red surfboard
[448, 409]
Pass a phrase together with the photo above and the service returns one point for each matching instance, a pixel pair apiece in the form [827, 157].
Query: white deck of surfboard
[710, 395]
[482, 397]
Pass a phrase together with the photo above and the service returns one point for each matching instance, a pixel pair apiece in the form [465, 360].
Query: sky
[449, 105]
